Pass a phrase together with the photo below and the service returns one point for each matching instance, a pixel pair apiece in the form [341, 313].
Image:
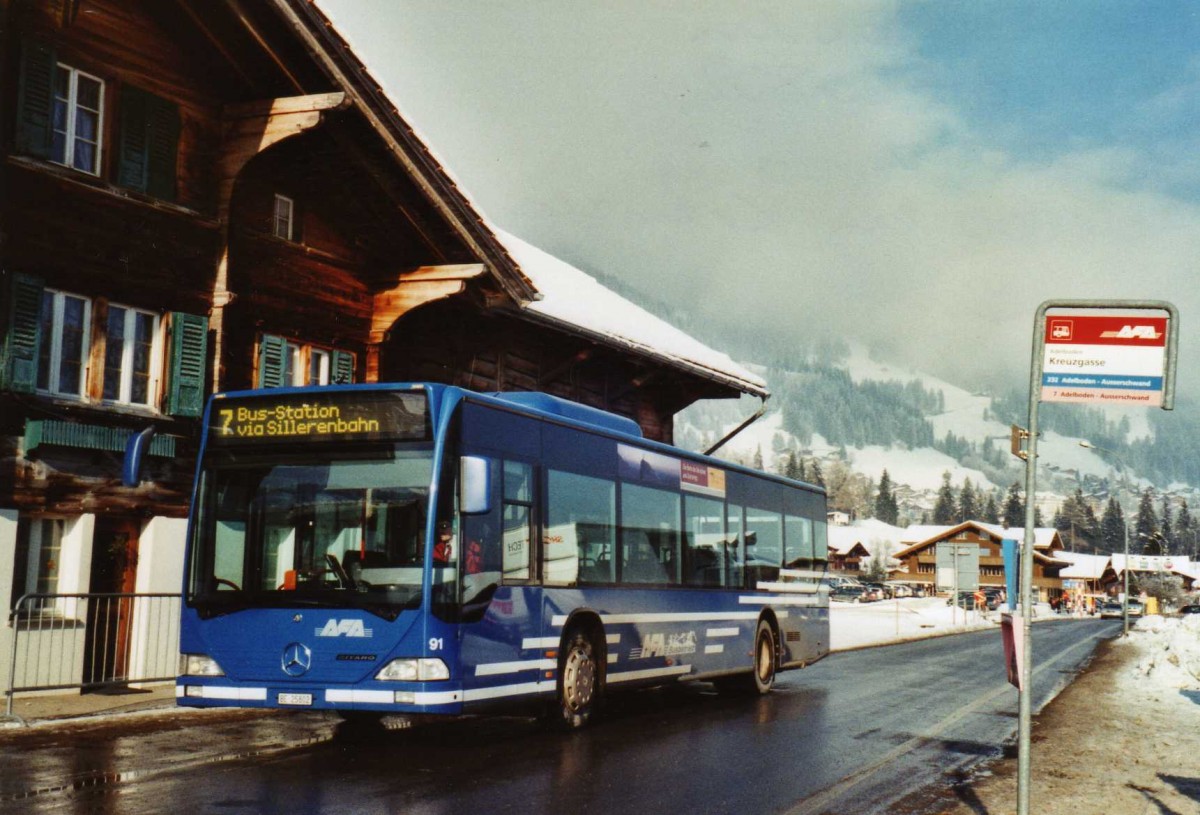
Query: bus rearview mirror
[475, 489]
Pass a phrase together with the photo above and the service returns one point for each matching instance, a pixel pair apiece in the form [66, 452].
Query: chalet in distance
[205, 195]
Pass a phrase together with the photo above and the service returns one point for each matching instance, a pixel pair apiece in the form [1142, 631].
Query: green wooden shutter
[343, 367]
[272, 361]
[132, 166]
[189, 358]
[35, 99]
[149, 143]
[163, 148]
[19, 353]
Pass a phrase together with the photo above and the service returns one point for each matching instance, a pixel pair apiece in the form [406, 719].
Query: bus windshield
[326, 525]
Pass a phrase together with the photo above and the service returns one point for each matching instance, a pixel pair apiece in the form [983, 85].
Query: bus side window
[798, 542]
[580, 518]
[703, 541]
[735, 552]
[764, 545]
[649, 535]
[518, 521]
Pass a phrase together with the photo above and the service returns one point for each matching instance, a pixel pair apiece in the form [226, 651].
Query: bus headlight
[414, 670]
[199, 665]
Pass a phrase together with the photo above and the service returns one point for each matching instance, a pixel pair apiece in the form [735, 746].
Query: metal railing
[91, 641]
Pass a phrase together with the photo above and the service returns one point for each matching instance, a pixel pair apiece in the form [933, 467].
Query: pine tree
[1112, 527]
[1014, 508]
[944, 510]
[818, 477]
[991, 510]
[1167, 529]
[1146, 526]
[968, 502]
[1186, 531]
[886, 508]
[758, 458]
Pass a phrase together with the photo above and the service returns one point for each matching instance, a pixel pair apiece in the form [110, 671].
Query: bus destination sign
[335, 416]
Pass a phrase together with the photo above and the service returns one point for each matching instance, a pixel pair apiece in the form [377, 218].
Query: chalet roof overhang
[349, 75]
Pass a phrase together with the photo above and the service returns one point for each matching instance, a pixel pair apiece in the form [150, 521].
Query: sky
[914, 176]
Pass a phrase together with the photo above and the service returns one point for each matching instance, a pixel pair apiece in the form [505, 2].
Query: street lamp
[1124, 534]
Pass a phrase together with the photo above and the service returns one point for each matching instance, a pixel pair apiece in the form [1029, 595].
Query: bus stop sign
[1105, 359]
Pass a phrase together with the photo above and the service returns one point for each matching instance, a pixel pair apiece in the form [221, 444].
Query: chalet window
[284, 224]
[45, 348]
[284, 363]
[131, 355]
[63, 353]
[78, 111]
[38, 557]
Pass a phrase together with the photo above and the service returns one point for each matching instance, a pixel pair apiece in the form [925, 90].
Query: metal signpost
[1082, 356]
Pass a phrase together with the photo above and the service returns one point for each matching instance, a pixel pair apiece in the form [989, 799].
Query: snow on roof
[569, 296]
[1083, 566]
[1043, 536]
[1178, 564]
[872, 534]
[576, 298]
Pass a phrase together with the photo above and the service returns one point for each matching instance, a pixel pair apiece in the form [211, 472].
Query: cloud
[780, 164]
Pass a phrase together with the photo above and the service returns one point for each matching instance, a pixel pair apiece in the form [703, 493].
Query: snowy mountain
[958, 431]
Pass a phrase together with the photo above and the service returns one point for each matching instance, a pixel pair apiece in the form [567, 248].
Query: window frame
[129, 343]
[53, 334]
[72, 109]
[288, 222]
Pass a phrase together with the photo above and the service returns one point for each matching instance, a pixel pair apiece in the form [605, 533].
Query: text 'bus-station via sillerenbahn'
[424, 549]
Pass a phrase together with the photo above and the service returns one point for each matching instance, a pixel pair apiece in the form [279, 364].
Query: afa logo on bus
[344, 628]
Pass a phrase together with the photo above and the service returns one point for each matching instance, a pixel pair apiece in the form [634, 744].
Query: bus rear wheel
[761, 678]
[579, 681]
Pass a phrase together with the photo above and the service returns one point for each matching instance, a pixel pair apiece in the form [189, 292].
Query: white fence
[91, 641]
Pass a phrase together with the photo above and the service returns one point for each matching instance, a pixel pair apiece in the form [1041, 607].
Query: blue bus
[420, 548]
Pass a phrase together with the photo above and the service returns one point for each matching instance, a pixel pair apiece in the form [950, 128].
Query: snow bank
[857, 625]
[1170, 652]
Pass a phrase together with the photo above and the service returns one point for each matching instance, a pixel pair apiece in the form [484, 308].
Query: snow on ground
[1170, 653]
[920, 469]
[856, 625]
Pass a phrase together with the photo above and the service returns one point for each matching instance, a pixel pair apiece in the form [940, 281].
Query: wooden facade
[918, 562]
[206, 195]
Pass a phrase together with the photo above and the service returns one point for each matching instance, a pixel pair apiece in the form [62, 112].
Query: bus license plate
[295, 699]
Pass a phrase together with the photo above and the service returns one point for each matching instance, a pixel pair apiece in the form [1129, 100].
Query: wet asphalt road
[850, 734]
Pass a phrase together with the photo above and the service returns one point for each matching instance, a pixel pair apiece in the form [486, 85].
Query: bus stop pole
[1025, 693]
[1025, 712]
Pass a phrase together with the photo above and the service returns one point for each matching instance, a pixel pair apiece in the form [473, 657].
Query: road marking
[822, 800]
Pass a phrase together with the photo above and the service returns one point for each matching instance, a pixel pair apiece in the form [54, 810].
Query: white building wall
[8, 556]
[155, 641]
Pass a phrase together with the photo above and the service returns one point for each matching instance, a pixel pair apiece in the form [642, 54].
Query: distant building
[919, 558]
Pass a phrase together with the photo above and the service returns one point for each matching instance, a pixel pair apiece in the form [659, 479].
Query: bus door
[501, 652]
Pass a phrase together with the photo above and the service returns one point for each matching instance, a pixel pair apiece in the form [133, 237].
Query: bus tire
[761, 678]
[765, 658]
[580, 681]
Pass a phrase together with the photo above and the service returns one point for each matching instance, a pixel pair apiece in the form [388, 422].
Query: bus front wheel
[579, 681]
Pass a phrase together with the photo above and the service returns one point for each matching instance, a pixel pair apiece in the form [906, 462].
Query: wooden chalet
[204, 195]
[918, 562]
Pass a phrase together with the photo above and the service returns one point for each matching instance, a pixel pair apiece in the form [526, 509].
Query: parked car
[1111, 611]
[879, 590]
[993, 598]
[966, 599]
[1136, 609]
[847, 593]
[1192, 609]
[900, 589]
